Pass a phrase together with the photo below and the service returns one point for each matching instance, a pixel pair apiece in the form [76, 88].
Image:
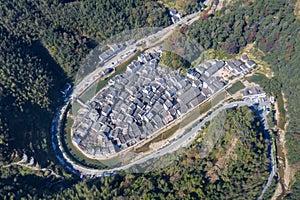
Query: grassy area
[194, 114]
[75, 107]
[163, 136]
[236, 87]
[282, 112]
[257, 78]
[168, 3]
[203, 57]
[219, 54]
[89, 93]
[220, 96]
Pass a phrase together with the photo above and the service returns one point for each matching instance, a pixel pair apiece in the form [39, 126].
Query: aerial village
[146, 98]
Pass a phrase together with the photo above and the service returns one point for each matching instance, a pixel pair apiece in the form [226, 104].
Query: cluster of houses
[240, 66]
[175, 15]
[111, 51]
[144, 99]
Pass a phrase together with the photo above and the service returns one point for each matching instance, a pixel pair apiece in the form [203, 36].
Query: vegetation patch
[219, 54]
[236, 87]
[163, 136]
[188, 170]
[257, 78]
[184, 6]
[174, 61]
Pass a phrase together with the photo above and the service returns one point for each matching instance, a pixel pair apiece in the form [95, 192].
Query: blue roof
[192, 72]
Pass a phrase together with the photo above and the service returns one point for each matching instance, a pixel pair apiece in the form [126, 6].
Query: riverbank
[284, 170]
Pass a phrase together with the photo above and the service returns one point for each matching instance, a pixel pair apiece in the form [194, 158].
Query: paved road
[126, 53]
[90, 79]
[184, 140]
[119, 58]
[190, 136]
[181, 142]
[271, 155]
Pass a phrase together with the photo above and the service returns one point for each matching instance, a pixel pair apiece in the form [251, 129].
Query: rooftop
[142, 100]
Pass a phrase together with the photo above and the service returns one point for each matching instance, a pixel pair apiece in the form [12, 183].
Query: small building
[250, 64]
[237, 62]
[96, 127]
[189, 95]
[206, 92]
[115, 47]
[120, 117]
[191, 73]
[106, 110]
[134, 66]
[244, 57]
[176, 18]
[172, 111]
[94, 115]
[220, 64]
[183, 109]
[253, 92]
[234, 66]
[196, 83]
[167, 119]
[195, 102]
[103, 120]
[172, 11]
[148, 117]
[212, 88]
[218, 84]
[105, 129]
[168, 104]
[200, 69]
[131, 109]
[211, 71]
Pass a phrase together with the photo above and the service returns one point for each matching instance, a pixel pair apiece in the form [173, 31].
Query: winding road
[126, 53]
[184, 140]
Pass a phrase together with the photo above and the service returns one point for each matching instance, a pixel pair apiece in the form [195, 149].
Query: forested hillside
[236, 168]
[42, 45]
[44, 42]
[274, 29]
[70, 30]
[184, 6]
[40, 38]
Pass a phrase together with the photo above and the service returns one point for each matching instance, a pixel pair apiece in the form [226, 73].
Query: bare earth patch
[157, 145]
[297, 9]
[223, 3]
[256, 55]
